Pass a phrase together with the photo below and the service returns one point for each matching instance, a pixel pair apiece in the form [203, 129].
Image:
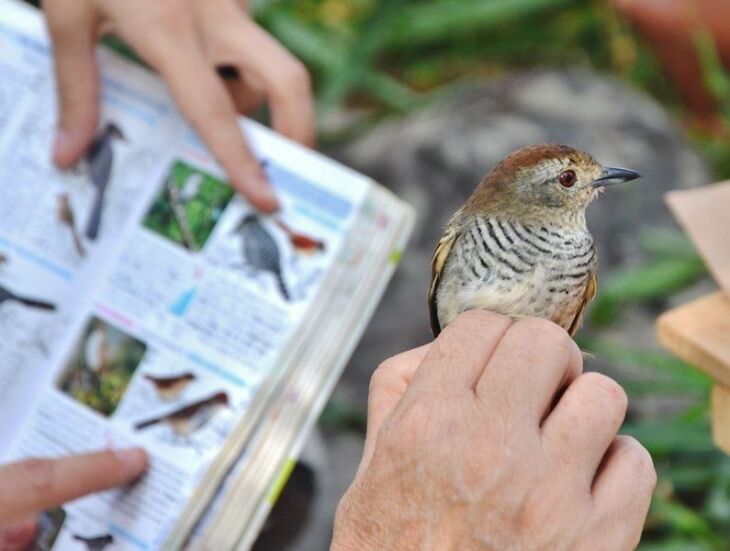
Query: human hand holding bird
[520, 245]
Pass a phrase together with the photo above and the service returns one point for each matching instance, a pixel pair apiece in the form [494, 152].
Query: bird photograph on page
[101, 365]
[520, 245]
[188, 206]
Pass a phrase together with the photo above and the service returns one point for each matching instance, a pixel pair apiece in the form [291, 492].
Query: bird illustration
[260, 250]
[302, 243]
[520, 245]
[188, 419]
[66, 215]
[97, 351]
[95, 543]
[191, 187]
[98, 165]
[171, 386]
[6, 295]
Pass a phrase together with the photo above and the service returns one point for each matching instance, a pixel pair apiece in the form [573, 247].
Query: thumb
[73, 28]
[387, 386]
[18, 537]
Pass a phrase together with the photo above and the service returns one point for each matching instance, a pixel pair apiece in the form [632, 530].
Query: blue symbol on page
[183, 302]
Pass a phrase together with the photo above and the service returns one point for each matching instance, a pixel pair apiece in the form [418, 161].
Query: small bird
[260, 250]
[99, 159]
[170, 387]
[302, 243]
[95, 543]
[177, 204]
[6, 295]
[66, 216]
[191, 187]
[520, 245]
[97, 351]
[186, 420]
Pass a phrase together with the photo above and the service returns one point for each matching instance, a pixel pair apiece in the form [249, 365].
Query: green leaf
[679, 372]
[657, 279]
[427, 22]
[662, 437]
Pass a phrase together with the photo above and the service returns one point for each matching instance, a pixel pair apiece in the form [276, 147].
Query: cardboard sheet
[704, 213]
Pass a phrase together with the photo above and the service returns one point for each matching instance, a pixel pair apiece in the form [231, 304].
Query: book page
[60, 230]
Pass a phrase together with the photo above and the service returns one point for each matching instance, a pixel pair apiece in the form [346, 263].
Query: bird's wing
[588, 296]
[443, 248]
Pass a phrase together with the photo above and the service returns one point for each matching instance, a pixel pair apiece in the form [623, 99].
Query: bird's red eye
[568, 178]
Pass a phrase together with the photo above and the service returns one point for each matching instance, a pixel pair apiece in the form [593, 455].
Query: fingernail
[18, 537]
[62, 146]
[133, 459]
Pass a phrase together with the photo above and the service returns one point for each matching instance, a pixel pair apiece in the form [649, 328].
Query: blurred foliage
[387, 57]
[188, 206]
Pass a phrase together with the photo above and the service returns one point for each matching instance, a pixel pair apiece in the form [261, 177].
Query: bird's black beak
[612, 175]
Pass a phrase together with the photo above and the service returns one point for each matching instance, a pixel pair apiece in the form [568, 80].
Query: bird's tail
[148, 423]
[41, 304]
[282, 287]
[92, 228]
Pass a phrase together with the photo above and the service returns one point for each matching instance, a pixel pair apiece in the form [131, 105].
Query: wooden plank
[721, 417]
[699, 333]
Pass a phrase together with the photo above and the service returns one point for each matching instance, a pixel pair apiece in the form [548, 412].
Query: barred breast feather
[512, 268]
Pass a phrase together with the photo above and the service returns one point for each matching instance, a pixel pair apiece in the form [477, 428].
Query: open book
[143, 302]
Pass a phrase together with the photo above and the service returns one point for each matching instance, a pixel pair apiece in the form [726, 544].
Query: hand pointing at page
[185, 41]
[34, 485]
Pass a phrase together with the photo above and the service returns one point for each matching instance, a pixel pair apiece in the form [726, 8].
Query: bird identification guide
[143, 302]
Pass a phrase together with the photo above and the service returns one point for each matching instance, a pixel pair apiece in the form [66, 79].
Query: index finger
[203, 100]
[33, 485]
[459, 355]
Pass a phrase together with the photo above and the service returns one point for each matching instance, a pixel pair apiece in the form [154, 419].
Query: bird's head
[541, 179]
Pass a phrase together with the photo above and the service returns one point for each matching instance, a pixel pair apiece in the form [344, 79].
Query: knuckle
[478, 322]
[298, 75]
[643, 464]
[168, 18]
[615, 395]
[544, 333]
[381, 375]
[292, 78]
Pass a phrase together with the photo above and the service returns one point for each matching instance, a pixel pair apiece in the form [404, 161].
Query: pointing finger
[72, 27]
[457, 358]
[33, 485]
